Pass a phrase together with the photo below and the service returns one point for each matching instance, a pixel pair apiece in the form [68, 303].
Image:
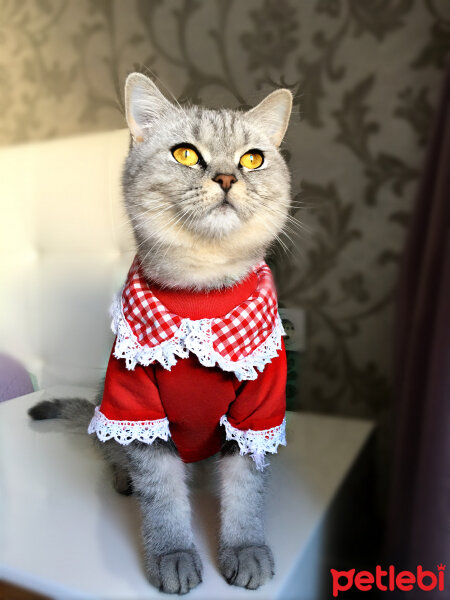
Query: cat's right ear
[143, 104]
[273, 114]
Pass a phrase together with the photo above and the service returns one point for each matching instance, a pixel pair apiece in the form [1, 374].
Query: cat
[201, 225]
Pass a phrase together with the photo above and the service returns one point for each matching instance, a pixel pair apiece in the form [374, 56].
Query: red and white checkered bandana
[249, 336]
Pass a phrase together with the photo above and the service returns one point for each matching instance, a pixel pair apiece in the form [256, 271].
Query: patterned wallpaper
[365, 75]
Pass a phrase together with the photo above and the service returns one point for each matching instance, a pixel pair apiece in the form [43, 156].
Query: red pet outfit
[232, 372]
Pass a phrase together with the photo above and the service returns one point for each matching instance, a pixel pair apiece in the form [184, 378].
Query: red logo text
[388, 580]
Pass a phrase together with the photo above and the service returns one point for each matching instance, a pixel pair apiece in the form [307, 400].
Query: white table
[65, 532]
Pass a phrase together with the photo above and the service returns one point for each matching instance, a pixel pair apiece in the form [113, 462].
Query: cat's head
[207, 191]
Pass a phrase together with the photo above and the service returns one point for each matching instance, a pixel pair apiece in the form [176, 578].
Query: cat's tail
[76, 411]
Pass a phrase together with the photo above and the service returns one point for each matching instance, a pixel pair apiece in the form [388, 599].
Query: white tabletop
[65, 532]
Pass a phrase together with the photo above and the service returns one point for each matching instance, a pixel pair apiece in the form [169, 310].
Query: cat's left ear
[273, 114]
[143, 104]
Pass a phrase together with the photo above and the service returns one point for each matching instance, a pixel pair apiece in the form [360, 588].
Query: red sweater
[192, 397]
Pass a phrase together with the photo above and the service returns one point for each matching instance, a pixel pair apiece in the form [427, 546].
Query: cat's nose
[225, 181]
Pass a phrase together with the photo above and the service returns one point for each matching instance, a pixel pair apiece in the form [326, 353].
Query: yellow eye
[251, 160]
[185, 156]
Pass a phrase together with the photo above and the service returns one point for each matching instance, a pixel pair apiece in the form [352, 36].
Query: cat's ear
[273, 114]
[143, 103]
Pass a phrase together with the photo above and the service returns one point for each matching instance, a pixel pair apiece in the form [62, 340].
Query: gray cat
[203, 228]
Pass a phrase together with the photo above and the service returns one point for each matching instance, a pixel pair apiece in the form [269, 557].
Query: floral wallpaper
[365, 75]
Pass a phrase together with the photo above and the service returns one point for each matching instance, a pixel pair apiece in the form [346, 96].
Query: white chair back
[65, 248]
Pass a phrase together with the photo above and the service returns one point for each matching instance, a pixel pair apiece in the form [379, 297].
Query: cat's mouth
[224, 206]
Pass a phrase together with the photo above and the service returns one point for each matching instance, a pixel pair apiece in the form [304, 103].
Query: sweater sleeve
[256, 419]
[131, 407]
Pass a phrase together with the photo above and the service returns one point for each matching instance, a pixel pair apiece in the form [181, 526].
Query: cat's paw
[247, 566]
[176, 572]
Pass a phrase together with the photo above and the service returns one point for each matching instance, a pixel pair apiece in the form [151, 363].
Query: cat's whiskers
[288, 217]
[172, 244]
[156, 245]
[129, 221]
[150, 213]
[286, 249]
[143, 226]
[161, 242]
[139, 218]
[287, 227]
[144, 220]
[191, 219]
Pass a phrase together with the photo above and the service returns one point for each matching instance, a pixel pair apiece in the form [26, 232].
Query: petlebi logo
[389, 579]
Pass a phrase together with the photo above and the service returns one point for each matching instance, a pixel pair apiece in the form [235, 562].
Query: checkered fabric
[234, 337]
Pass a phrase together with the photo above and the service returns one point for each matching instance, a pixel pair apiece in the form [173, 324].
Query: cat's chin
[220, 222]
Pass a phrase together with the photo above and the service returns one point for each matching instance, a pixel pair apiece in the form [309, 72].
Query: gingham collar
[245, 339]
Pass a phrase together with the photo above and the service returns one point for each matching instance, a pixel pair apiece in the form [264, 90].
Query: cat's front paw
[247, 566]
[177, 572]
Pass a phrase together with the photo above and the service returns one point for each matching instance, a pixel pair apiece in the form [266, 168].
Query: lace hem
[191, 336]
[256, 443]
[125, 432]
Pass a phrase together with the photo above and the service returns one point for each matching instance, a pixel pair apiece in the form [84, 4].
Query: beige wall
[365, 75]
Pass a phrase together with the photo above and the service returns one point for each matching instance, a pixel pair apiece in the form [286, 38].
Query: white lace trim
[125, 432]
[191, 336]
[256, 443]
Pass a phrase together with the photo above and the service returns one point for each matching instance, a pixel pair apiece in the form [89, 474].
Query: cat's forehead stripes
[222, 131]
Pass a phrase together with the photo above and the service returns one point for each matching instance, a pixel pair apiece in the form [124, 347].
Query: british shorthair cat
[206, 192]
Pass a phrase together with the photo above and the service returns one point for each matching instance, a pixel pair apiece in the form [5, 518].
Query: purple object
[419, 523]
[14, 379]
